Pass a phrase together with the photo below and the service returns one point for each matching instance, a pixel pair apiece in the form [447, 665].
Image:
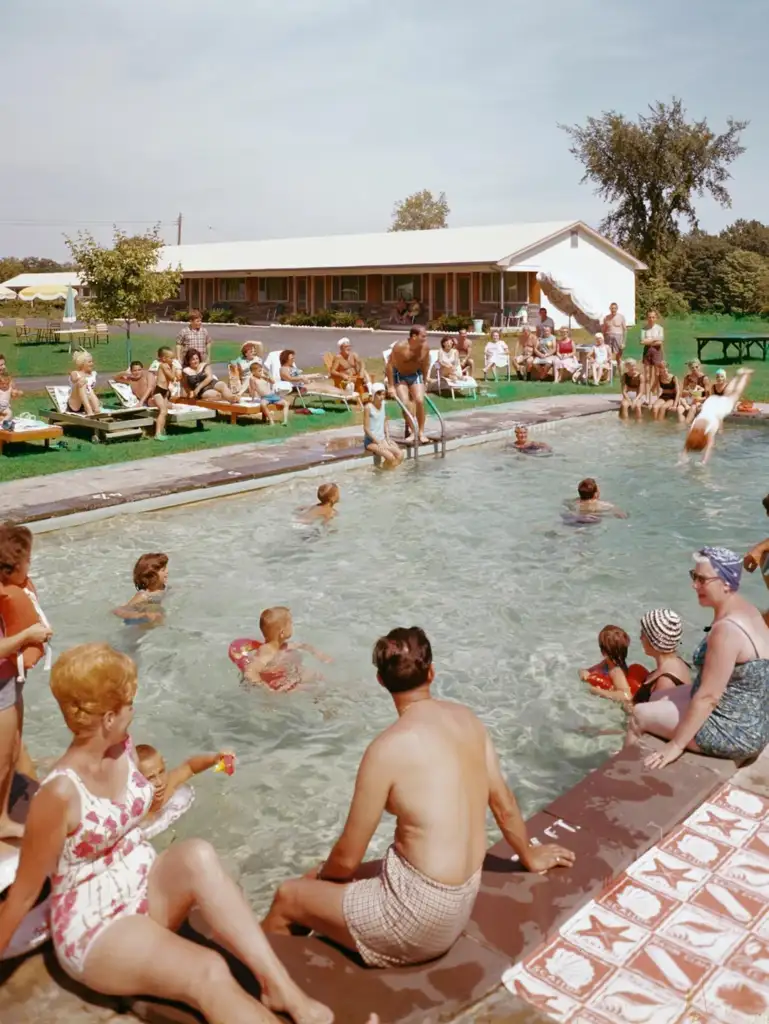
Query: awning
[6, 293]
[43, 293]
[564, 298]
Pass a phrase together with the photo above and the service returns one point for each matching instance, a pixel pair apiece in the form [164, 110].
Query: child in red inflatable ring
[613, 678]
[274, 662]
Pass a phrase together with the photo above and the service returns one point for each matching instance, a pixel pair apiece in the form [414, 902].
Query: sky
[264, 119]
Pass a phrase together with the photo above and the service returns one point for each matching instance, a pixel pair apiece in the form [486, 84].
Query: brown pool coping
[47, 502]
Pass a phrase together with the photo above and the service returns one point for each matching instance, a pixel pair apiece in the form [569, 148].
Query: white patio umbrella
[563, 297]
[6, 293]
[43, 293]
[69, 307]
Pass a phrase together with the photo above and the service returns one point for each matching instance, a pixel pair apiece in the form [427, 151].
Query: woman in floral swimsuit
[116, 904]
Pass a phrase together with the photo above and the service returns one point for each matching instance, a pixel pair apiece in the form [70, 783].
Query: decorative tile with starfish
[682, 937]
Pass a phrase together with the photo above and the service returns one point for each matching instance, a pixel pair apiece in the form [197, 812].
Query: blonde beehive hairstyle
[90, 680]
[80, 358]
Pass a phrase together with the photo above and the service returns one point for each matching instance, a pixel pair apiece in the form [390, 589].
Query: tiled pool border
[604, 818]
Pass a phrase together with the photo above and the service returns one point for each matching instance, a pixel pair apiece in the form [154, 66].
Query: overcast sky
[273, 118]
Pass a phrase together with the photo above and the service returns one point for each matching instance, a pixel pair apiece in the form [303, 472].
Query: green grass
[32, 460]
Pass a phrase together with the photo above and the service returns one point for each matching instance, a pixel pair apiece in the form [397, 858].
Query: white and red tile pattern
[681, 938]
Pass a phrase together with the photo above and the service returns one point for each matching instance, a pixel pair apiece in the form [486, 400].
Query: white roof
[63, 278]
[496, 244]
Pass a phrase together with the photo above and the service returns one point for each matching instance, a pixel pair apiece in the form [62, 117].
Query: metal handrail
[435, 410]
[412, 423]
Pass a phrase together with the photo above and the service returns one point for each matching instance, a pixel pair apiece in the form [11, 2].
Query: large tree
[751, 235]
[651, 170]
[12, 266]
[420, 212]
[124, 280]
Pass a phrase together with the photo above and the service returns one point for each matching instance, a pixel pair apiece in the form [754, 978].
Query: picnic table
[740, 343]
[70, 334]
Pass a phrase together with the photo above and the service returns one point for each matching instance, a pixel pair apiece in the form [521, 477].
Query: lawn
[31, 460]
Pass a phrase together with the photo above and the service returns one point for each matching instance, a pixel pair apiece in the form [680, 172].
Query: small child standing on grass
[150, 579]
[274, 662]
[7, 393]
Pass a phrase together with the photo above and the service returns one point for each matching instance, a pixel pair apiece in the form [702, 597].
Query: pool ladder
[438, 443]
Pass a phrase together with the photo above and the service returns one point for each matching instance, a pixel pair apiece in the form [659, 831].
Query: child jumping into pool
[153, 767]
[376, 430]
[150, 580]
[274, 662]
[328, 499]
[707, 423]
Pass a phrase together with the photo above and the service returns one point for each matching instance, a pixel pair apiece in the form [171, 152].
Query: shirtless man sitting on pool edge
[407, 370]
[436, 770]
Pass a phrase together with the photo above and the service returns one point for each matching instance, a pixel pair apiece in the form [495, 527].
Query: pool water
[473, 548]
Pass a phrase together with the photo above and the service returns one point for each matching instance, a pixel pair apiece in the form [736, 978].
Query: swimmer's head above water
[276, 625]
[614, 643]
[151, 572]
[328, 494]
[588, 489]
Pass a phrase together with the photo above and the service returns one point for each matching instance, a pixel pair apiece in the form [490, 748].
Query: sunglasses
[696, 577]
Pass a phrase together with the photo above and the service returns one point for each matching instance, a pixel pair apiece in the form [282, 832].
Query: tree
[420, 212]
[12, 266]
[694, 268]
[651, 170]
[751, 235]
[743, 283]
[124, 280]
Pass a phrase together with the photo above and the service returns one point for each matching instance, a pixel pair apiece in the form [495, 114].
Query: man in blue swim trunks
[406, 374]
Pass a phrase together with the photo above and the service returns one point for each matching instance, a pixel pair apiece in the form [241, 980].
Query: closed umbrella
[69, 307]
[564, 298]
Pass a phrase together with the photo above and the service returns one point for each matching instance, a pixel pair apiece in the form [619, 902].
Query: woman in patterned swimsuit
[725, 711]
[115, 903]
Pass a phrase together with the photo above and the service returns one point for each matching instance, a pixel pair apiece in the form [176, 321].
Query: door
[319, 294]
[463, 295]
[301, 294]
[439, 295]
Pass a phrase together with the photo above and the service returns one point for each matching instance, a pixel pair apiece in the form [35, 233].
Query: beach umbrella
[69, 307]
[563, 297]
[6, 293]
[43, 293]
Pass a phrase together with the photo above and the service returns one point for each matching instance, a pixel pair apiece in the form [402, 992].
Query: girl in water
[710, 419]
[150, 580]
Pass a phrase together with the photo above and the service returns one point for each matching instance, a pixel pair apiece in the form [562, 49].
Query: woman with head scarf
[725, 712]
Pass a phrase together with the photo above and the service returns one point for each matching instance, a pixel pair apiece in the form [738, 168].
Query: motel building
[475, 272]
[480, 273]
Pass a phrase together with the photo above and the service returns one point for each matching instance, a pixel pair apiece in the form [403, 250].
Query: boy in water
[277, 663]
[707, 423]
[7, 393]
[589, 501]
[150, 580]
[153, 768]
[328, 499]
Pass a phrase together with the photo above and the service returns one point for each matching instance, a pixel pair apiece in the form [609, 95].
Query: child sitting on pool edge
[153, 767]
[150, 580]
[274, 662]
[611, 677]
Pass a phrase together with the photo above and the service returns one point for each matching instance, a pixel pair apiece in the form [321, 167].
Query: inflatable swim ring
[283, 677]
[747, 408]
[19, 609]
[598, 676]
[179, 804]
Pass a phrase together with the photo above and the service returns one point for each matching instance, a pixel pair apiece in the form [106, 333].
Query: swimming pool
[473, 548]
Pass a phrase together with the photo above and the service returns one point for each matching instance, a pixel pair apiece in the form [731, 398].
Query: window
[232, 289]
[516, 288]
[574, 239]
[348, 289]
[402, 286]
[273, 289]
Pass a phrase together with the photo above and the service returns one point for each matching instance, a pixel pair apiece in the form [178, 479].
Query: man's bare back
[439, 789]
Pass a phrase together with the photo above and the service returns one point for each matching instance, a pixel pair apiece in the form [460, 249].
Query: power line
[69, 223]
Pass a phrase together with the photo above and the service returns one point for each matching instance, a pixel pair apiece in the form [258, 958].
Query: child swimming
[328, 499]
[274, 662]
[589, 508]
[153, 768]
[150, 579]
[707, 423]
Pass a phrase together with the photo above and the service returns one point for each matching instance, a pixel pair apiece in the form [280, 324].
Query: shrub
[325, 318]
[219, 315]
[341, 318]
[181, 316]
[655, 293]
[450, 323]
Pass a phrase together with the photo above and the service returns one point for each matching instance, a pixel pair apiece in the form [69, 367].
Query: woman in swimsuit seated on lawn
[116, 904]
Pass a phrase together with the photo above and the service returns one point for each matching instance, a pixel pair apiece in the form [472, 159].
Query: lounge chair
[106, 425]
[272, 366]
[441, 383]
[177, 412]
[498, 362]
[26, 429]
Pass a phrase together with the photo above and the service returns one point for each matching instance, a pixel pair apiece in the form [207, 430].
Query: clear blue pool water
[473, 548]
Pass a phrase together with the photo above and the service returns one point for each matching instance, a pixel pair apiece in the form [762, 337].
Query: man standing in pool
[436, 770]
[406, 374]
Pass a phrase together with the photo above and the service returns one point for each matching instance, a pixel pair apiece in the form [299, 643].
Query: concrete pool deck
[66, 499]
[526, 947]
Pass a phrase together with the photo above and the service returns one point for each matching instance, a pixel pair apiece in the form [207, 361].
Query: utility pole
[179, 230]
